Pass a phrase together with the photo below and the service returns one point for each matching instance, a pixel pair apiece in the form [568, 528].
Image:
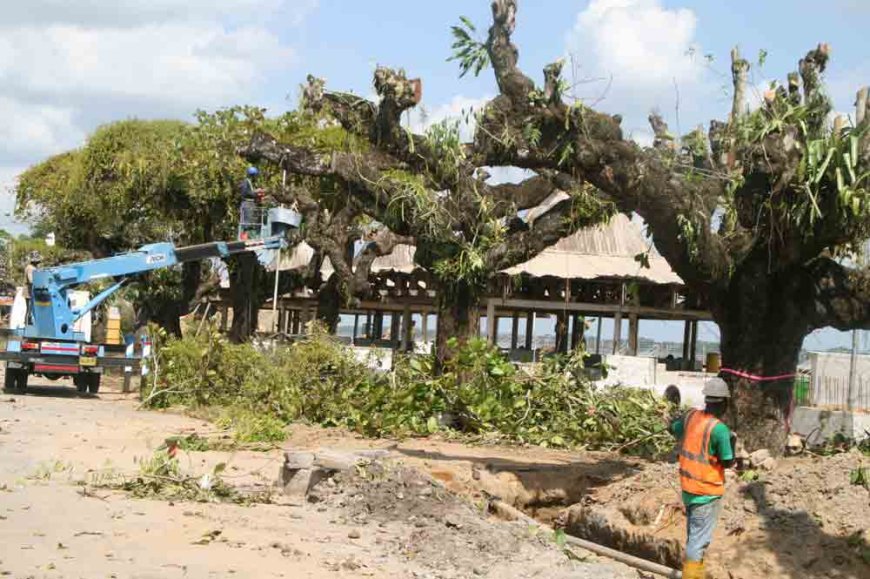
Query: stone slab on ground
[305, 469]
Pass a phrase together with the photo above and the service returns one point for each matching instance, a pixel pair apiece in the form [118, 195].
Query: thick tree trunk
[245, 275]
[329, 304]
[458, 317]
[169, 318]
[762, 333]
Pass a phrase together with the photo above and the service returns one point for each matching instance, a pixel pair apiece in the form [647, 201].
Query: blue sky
[66, 67]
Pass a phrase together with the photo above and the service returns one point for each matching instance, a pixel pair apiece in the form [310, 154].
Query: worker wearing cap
[705, 451]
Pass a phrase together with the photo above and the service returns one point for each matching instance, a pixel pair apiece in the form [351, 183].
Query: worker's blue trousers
[700, 525]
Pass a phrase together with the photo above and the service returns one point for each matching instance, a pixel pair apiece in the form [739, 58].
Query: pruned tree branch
[512, 83]
[663, 140]
[739, 74]
[379, 243]
[811, 68]
[560, 220]
[513, 197]
[840, 295]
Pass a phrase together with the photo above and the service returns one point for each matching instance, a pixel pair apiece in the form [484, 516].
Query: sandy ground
[51, 525]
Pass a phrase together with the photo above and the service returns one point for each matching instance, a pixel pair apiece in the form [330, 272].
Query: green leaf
[468, 23]
[824, 167]
[219, 468]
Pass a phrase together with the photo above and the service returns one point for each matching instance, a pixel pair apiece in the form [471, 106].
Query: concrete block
[818, 425]
[296, 482]
[304, 470]
[298, 459]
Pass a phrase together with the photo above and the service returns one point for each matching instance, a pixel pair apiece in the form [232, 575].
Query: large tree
[756, 214]
[427, 190]
[122, 189]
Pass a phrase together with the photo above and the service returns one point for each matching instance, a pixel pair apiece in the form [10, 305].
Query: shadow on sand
[819, 554]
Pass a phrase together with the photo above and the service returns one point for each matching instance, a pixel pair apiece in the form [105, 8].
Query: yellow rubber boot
[693, 570]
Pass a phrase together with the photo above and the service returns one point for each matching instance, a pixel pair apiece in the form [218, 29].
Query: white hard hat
[716, 388]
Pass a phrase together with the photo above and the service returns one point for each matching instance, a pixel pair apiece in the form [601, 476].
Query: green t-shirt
[720, 447]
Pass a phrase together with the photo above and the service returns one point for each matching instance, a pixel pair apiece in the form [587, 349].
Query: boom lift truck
[50, 346]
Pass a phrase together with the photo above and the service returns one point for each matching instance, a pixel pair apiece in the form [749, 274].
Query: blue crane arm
[53, 317]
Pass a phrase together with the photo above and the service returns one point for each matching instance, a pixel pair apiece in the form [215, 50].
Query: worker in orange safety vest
[706, 449]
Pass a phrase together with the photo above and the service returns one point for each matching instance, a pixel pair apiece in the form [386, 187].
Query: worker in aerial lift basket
[250, 198]
[706, 449]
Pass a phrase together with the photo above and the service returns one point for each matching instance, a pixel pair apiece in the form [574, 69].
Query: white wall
[830, 380]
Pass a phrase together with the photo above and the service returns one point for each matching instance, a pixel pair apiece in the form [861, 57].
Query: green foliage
[250, 426]
[860, 476]
[688, 235]
[444, 140]
[112, 193]
[472, 54]
[160, 477]
[826, 192]
[479, 393]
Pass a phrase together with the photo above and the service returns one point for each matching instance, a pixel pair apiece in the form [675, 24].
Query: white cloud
[638, 41]
[67, 66]
[647, 57]
[30, 130]
[8, 177]
[188, 64]
[122, 13]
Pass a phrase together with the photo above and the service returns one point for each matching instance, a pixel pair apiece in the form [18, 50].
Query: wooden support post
[687, 338]
[617, 332]
[694, 345]
[578, 326]
[561, 332]
[530, 330]
[355, 328]
[407, 329]
[491, 324]
[633, 327]
[395, 330]
[306, 317]
[598, 337]
[378, 326]
[515, 330]
[368, 333]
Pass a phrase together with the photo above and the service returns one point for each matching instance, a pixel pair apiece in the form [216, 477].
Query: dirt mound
[448, 535]
[803, 519]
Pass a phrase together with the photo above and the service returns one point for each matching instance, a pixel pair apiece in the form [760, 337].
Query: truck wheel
[15, 380]
[22, 380]
[94, 383]
[81, 382]
[9, 380]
